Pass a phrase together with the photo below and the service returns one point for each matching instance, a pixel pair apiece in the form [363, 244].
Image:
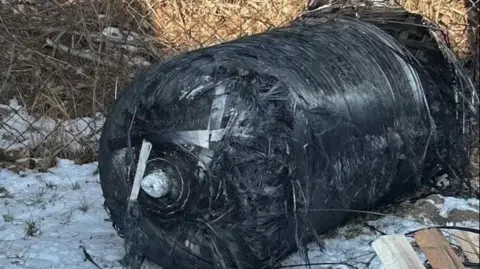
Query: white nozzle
[156, 184]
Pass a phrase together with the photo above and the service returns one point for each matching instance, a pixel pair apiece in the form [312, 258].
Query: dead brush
[450, 14]
[33, 228]
[63, 65]
[66, 61]
[185, 25]
[84, 205]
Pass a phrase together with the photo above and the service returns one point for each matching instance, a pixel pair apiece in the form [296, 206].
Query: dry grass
[186, 25]
[58, 61]
[453, 15]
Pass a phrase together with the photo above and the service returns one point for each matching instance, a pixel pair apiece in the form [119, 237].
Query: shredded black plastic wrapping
[272, 139]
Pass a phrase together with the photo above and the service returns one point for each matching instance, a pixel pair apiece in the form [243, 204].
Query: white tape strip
[141, 165]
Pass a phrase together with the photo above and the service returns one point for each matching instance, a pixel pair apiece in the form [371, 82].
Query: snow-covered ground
[47, 217]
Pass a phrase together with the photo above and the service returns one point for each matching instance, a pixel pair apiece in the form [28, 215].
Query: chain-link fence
[64, 62]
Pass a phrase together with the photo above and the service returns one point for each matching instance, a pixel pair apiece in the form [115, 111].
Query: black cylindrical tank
[263, 143]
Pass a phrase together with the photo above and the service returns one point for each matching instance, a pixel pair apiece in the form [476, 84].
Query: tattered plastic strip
[202, 138]
[473, 103]
[214, 123]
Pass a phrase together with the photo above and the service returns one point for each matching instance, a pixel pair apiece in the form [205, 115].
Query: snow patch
[18, 129]
[452, 203]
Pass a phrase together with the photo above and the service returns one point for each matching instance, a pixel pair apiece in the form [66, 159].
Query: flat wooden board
[395, 252]
[469, 242]
[438, 250]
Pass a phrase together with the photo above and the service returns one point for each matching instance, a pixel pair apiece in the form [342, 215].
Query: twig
[89, 55]
[89, 258]
[9, 71]
[472, 230]
[86, 55]
[99, 37]
[373, 228]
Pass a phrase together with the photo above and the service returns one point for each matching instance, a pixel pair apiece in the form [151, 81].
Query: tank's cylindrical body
[267, 141]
